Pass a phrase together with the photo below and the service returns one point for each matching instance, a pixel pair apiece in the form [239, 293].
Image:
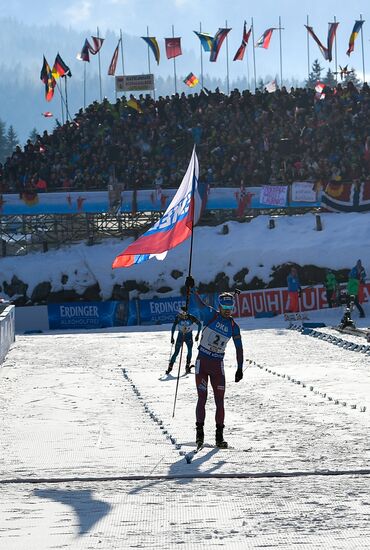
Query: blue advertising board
[87, 315]
[158, 311]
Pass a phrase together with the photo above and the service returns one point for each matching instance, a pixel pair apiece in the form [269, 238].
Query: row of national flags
[211, 44]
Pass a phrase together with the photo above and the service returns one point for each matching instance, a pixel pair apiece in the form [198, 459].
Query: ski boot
[170, 367]
[199, 438]
[188, 368]
[220, 442]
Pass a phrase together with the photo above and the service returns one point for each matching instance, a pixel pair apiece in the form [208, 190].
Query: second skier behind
[184, 321]
[219, 327]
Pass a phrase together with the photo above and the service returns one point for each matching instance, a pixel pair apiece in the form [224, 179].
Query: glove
[172, 340]
[238, 374]
[189, 282]
[300, 293]
[197, 338]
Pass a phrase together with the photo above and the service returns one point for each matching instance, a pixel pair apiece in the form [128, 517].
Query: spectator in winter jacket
[294, 290]
[359, 273]
[353, 287]
[331, 286]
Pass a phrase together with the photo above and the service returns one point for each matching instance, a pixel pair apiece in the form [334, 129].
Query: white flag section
[271, 86]
[173, 228]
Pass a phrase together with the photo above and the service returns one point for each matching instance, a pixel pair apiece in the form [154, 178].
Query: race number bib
[213, 341]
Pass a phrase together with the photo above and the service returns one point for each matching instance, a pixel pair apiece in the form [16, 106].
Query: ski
[190, 455]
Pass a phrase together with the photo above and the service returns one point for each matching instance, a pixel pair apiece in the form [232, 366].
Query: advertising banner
[87, 315]
[72, 202]
[164, 310]
[304, 192]
[134, 82]
[275, 300]
[274, 195]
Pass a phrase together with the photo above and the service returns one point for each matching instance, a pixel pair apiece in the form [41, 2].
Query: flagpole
[123, 64]
[63, 100]
[227, 62]
[281, 56]
[335, 49]
[192, 232]
[362, 47]
[100, 86]
[61, 103]
[308, 49]
[201, 57]
[66, 95]
[84, 85]
[254, 59]
[248, 76]
[147, 34]
[174, 62]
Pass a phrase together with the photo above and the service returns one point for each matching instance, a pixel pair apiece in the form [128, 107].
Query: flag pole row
[208, 44]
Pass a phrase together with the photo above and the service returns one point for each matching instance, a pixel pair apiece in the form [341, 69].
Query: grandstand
[244, 142]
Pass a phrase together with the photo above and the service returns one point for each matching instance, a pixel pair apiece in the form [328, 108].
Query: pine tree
[3, 142]
[351, 76]
[260, 85]
[11, 141]
[33, 135]
[315, 74]
[329, 79]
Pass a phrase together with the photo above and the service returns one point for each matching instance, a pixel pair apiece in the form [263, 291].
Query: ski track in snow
[68, 410]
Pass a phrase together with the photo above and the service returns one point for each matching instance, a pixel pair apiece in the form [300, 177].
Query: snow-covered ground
[343, 240]
[92, 457]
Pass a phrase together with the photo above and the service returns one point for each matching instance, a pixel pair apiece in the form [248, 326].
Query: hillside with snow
[240, 254]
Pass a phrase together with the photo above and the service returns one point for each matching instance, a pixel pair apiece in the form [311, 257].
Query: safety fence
[7, 330]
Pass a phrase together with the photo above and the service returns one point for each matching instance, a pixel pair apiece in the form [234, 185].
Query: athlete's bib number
[216, 342]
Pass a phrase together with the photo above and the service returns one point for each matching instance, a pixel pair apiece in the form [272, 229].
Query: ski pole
[178, 377]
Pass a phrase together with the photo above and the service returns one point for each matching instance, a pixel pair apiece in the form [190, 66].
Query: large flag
[173, 47]
[191, 80]
[217, 43]
[98, 42]
[153, 45]
[205, 40]
[240, 53]
[84, 54]
[264, 40]
[331, 35]
[326, 51]
[47, 77]
[88, 49]
[113, 63]
[356, 29]
[60, 68]
[173, 228]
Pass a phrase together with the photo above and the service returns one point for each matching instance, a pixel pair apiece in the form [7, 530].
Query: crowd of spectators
[242, 139]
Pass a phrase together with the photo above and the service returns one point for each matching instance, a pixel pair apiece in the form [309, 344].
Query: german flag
[191, 80]
[60, 68]
[47, 77]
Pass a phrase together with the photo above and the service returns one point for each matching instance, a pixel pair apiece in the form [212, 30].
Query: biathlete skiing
[184, 321]
[219, 327]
